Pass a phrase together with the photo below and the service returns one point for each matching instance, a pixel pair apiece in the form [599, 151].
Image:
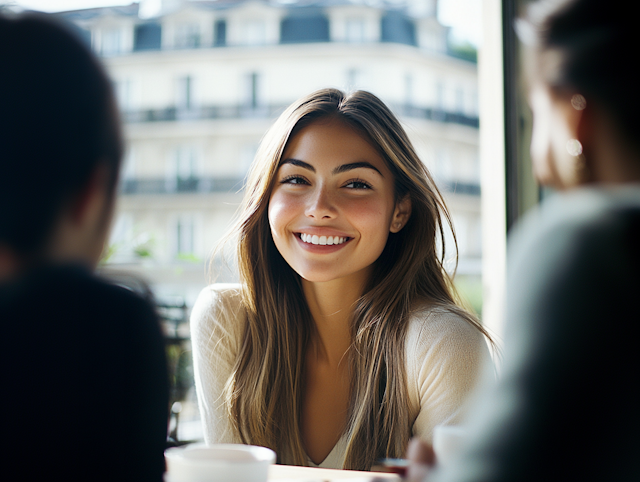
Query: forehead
[332, 142]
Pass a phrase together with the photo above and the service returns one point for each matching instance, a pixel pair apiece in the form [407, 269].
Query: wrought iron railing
[172, 114]
[190, 185]
[235, 184]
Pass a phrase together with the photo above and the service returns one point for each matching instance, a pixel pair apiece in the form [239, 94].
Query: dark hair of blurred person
[85, 392]
[59, 132]
[566, 407]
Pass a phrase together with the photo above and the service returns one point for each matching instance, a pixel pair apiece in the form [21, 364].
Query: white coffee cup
[447, 440]
[218, 463]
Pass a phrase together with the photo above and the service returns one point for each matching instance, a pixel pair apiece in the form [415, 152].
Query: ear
[401, 214]
[576, 115]
[573, 136]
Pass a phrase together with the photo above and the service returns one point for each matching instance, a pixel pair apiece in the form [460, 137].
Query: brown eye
[358, 184]
[294, 180]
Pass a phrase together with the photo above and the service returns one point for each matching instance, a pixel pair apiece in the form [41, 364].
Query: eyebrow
[337, 170]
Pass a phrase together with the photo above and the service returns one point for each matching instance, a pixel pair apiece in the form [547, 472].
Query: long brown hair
[264, 393]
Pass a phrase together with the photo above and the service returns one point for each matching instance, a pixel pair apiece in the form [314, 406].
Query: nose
[320, 204]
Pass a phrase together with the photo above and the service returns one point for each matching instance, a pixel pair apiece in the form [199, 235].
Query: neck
[331, 305]
[611, 158]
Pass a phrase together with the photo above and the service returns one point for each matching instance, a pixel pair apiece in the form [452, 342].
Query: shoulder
[70, 295]
[220, 300]
[441, 331]
[568, 224]
[122, 309]
[219, 307]
[562, 251]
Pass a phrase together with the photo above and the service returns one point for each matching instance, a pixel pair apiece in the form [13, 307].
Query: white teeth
[322, 240]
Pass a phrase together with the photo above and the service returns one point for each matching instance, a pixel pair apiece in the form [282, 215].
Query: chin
[317, 277]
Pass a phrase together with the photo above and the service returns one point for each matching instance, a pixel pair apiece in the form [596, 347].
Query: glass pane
[200, 84]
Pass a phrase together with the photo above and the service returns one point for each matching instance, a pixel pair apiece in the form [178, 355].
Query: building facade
[200, 82]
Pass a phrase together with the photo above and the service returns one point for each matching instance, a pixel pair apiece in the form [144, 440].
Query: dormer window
[308, 28]
[147, 36]
[398, 28]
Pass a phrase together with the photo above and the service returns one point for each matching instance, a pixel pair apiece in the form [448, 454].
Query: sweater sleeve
[217, 323]
[446, 357]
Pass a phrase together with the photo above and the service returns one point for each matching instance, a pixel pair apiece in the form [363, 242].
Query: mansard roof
[132, 10]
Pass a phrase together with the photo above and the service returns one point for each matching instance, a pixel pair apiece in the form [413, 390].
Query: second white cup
[447, 440]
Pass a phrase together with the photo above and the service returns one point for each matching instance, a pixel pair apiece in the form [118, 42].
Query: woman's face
[333, 204]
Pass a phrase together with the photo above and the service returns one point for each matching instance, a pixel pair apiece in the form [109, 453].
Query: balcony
[182, 186]
[236, 184]
[172, 114]
[462, 188]
[438, 115]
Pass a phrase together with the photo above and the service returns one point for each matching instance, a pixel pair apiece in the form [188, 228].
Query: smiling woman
[332, 184]
[344, 338]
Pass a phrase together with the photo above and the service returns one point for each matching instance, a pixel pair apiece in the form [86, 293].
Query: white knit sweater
[445, 356]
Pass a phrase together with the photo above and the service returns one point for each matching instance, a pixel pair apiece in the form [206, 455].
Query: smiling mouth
[322, 240]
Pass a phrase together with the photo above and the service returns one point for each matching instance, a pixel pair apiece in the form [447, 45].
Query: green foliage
[470, 289]
[180, 370]
[143, 245]
[189, 257]
[143, 251]
[108, 252]
[464, 51]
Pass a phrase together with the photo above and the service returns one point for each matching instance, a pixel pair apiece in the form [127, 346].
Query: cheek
[542, 141]
[374, 219]
[541, 150]
[274, 215]
[281, 211]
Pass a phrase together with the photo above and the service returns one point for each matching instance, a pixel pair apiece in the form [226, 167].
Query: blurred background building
[199, 83]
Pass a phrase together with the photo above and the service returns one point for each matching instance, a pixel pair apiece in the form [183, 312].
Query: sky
[462, 15]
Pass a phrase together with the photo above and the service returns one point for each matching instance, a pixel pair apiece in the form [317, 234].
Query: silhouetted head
[58, 127]
[583, 94]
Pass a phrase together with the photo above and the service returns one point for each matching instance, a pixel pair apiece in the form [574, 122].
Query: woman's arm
[446, 357]
[216, 327]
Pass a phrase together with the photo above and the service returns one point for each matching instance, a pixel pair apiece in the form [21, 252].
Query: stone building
[199, 83]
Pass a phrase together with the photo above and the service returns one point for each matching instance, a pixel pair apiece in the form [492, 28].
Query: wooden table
[282, 473]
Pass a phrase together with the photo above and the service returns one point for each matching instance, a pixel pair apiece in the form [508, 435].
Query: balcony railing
[235, 184]
[469, 189]
[172, 186]
[438, 115]
[172, 114]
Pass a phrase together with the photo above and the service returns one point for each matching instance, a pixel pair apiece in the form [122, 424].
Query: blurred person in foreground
[568, 404]
[84, 383]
